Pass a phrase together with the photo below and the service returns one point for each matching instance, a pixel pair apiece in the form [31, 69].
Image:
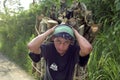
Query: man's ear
[52, 38]
[72, 42]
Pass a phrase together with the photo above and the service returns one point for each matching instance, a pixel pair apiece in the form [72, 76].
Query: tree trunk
[5, 7]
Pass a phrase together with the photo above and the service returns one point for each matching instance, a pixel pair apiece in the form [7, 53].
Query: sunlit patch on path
[10, 71]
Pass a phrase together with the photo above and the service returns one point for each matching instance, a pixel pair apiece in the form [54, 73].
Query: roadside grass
[104, 62]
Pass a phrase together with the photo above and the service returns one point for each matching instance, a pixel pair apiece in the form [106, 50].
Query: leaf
[117, 6]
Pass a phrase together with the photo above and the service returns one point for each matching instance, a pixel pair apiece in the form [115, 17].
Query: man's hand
[52, 29]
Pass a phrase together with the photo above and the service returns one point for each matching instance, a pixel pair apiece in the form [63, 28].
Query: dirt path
[10, 71]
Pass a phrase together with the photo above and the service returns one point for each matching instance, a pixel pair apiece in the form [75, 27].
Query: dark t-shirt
[60, 67]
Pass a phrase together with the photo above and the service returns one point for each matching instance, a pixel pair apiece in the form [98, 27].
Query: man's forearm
[85, 46]
[34, 45]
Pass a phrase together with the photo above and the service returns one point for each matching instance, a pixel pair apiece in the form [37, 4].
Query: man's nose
[61, 46]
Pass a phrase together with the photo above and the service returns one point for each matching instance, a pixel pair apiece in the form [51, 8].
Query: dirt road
[10, 71]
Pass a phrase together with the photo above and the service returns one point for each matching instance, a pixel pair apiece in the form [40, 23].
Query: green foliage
[15, 32]
[117, 3]
[105, 9]
[104, 62]
[105, 59]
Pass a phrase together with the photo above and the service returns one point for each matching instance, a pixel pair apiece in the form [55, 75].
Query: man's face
[61, 45]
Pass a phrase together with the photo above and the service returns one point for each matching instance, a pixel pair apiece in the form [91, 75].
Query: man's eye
[66, 42]
[58, 41]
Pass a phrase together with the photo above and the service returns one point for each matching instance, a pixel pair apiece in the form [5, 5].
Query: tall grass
[104, 63]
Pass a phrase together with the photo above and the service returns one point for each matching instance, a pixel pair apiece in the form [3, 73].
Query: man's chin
[61, 52]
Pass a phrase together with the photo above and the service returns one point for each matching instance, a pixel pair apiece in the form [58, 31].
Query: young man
[62, 54]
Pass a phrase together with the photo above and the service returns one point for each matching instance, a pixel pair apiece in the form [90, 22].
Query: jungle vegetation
[17, 29]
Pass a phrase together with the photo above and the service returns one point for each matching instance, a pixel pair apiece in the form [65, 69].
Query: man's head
[64, 31]
[63, 36]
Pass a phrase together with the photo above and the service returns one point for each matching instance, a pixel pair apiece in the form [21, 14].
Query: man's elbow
[90, 48]
[86, 51]
[31, 47]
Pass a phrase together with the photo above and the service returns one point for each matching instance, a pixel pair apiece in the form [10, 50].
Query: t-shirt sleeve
[83, 60]
[35, 57]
